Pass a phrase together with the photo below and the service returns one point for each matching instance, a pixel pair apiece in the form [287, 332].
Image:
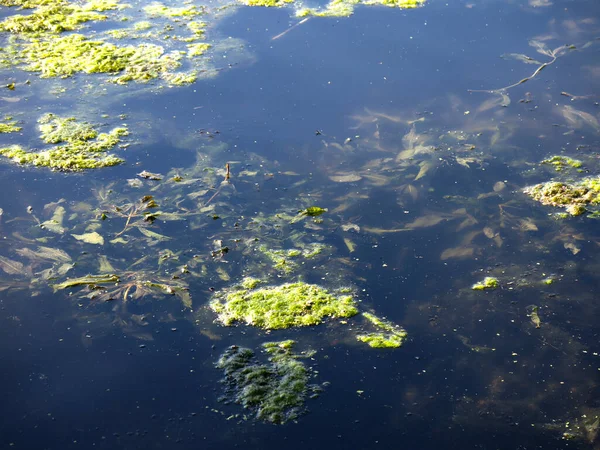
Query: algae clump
[82, 146]
[345, 8]
[487, 283]
[158, 9]
[64, 56]
[9, 126]
[276, 391]
[573, 197]
[267, 3]
[284, 306]
[388, 336]
[55, 18]
[562, 162]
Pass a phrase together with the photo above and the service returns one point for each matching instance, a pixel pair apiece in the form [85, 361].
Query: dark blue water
[475, 372]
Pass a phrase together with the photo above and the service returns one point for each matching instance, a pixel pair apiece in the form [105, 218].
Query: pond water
[417, 131]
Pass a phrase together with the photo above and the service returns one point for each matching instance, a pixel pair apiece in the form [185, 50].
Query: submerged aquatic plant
[276, 391]
[284, 306]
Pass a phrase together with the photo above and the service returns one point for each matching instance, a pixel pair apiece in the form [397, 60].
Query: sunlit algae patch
[487, 283]
[275, 391]
[82, 147]
[285, 306]
[345, 8]
[387, 336]
[571, 196]
[39, 46]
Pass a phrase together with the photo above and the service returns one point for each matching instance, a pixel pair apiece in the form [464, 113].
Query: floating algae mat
[285, 306]
[387, 335]
[574, 197]
[80, 146]
[274, 391]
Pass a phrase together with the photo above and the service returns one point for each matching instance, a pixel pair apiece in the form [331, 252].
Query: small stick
[289, 29]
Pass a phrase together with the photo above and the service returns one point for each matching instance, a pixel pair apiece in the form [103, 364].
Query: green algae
[64, 56]
[198, 49]
[9, 126]
[284, 306]
[27, 4]
[55, 18]
[345, 8]
[487, 283]
[275, 391]
[560, 163]
[55, 129]
[572, 196]
[387, 336]
[82, 146]
[159, 10]
[267, 3]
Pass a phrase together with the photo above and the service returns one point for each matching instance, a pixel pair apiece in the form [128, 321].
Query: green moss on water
[284, 306]
[562, 162]
[487, 283]
[275, 391]
[387, 335]
[82, 146]
[572, 196]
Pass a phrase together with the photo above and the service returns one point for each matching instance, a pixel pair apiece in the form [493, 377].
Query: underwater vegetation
[276, 390]
[284, 306]
[81, 146]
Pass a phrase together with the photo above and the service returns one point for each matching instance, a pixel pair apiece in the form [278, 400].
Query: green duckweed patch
[284, 306]
[387, 335]
[572, 196]
[82, 147]
[487, 283]
[275, 391]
